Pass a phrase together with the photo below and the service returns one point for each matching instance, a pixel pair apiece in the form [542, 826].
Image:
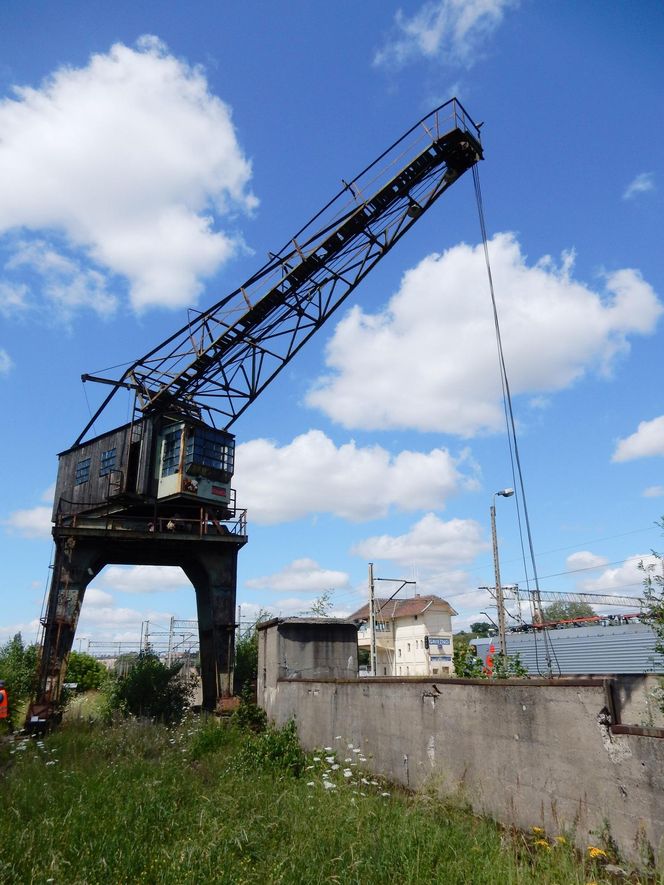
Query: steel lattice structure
[222, 359]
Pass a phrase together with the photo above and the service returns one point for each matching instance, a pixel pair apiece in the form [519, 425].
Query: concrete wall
[528, 753]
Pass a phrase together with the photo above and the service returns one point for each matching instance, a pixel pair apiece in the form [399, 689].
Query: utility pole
[500, 599]
[372, 622]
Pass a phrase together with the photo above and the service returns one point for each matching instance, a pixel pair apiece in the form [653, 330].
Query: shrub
[18, 670]
[151, 689]
[87, 672]
[277, 749]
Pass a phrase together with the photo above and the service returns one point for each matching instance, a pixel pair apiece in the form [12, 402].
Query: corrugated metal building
[619, 648]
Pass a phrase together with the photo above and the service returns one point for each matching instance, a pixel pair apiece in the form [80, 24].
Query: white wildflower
[329, 785]
[329, 759]
[348, 772]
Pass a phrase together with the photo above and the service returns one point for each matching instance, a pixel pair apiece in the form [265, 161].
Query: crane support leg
[73, 568]
[214, 578]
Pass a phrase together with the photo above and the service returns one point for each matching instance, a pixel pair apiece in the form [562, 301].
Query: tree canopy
[567, 611]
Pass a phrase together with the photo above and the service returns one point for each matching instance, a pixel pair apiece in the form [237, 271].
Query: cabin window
[210, 453]
[107, 462]
[82, 471]
[170, 461]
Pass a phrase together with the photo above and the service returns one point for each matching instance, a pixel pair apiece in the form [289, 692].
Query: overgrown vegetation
[18, 668]
[467, 665]
[151, 689]
[87, 672]
[209, 801]
[653, 592]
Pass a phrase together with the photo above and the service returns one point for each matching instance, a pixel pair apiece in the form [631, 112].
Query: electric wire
[511, 426]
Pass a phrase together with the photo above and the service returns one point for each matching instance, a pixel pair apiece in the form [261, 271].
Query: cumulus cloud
[97, 598]
[301, 575]
[623, 580]
[653, 492]
[143, 579]
[5, 362]
[312, 475]
[648, 440]
[131, 161]
[554, 329]
[64, 282]
[430, 543]
[453, 30]
[643, 183]
[584, 559]
[35, 522]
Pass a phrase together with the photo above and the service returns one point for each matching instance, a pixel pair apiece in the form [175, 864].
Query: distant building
[618, 645]
[413, 636]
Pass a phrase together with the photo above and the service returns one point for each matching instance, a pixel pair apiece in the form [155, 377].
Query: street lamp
[500, 600]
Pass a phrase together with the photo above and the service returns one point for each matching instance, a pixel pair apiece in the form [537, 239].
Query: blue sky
[150, 156]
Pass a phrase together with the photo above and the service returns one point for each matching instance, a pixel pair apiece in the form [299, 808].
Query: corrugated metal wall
[626, 648]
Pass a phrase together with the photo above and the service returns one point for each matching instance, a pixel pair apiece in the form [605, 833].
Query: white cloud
[129, 160]
[34, 522]
[653, 492]
[430, 543]
[13, 298]
[144, 579]
[623, 580]
[453, 30]
[301, 575]
[65, 283]
[643, 183]
[5, 362]
[584, 559]
[648, 440]
[312, 475]
[440, 323]
[97, 598]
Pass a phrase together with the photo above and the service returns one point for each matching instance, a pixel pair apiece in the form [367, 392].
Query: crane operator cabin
[158, 468]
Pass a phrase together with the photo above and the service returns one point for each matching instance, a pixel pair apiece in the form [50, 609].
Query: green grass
[205, 802]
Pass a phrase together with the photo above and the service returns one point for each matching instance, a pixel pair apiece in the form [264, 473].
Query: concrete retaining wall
[528, 753]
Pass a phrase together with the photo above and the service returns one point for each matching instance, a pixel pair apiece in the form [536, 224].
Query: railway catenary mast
[157, 491]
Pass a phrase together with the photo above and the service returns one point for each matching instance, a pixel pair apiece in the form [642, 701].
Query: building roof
[391, 609]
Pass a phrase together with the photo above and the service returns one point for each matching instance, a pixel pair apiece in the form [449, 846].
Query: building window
[435, 669]
[384, 671]
[82, 471]
[107, 462]
[409, 646]
[170, 460]
[399, 656]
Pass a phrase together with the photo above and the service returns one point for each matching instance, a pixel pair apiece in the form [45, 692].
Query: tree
[653, 593]
[246, 656]
[481, 628]
[567, 611]
[87, 672]
[151, 689]
[322, 606]
[18, 670]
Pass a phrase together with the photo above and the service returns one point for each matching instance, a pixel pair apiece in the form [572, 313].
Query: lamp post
[500, 599]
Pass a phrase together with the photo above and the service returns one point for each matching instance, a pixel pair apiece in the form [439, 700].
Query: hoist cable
[517, 472]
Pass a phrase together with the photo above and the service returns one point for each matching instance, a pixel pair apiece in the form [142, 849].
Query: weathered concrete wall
[528, 753]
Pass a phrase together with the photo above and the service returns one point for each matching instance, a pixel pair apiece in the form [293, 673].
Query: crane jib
[225, 357]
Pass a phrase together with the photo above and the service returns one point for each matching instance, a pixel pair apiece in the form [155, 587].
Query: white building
[413, 636]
